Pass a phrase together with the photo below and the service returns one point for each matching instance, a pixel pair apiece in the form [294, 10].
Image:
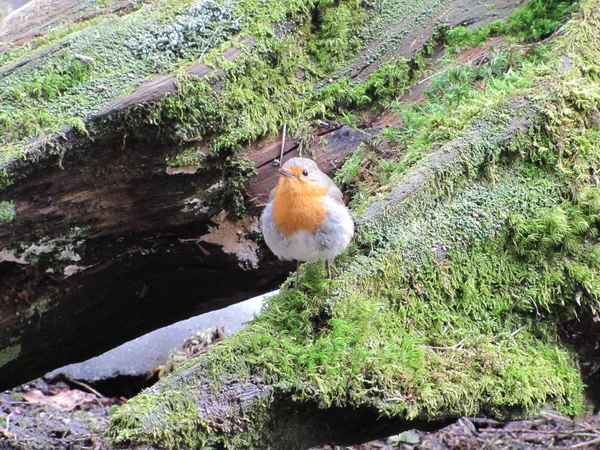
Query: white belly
[326, 243]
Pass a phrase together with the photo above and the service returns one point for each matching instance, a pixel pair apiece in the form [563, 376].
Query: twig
[477, 59]
[209, 42]
[556, 433]
[282, 144]
[6, 434]
[431, 76]
[4, 431]
[556, 417]
[586, 443]
[484, 421]
[517, 331]
[454, 347]
[87, 386]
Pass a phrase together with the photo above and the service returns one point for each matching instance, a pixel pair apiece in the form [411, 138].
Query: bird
[306, 218]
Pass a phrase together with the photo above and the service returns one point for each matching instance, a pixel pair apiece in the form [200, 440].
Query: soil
[43, 426]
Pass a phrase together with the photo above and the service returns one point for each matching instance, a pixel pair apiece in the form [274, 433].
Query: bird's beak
[286, 173]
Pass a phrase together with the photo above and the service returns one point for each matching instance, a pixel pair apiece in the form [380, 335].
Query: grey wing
[272, 195]
[335, 193]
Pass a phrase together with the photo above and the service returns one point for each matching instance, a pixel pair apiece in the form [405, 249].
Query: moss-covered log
[477, 242]
[137, 149]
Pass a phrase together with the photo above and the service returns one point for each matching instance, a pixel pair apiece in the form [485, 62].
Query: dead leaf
[66, 400]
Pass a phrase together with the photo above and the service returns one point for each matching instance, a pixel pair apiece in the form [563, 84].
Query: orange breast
[298, 206]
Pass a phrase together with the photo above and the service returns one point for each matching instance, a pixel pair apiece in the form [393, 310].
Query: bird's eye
[305, 172]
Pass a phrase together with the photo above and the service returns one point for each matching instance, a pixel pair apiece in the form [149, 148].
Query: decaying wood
[145, 235]
[36, 17]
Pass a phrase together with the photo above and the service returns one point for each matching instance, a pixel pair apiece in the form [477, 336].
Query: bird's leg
[297, 273]
[328, 267]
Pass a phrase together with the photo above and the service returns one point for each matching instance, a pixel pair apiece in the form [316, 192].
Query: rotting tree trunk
[451, 303]
[101, 240]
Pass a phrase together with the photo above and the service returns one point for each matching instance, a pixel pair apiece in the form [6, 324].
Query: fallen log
[132, 176]
[453, 299]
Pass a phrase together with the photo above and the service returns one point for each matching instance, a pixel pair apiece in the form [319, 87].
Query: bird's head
[302, 174]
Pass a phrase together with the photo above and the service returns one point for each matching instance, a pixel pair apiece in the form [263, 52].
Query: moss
[297, 58]
[450, 301]
[38, 308]
[175, 410]
[9, 353]
[269, 85]
[311, 41]
[536, 20]
[223, 113]
[7, 212]
[580, 45]
[458, 93]
[540, 18]
[456, 332]
[193, 156]
[113, 52]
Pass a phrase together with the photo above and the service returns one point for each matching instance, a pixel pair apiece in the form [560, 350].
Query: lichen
[39, 307]
[8, 354]
[230, 235]
[7, 212]
[56, 254]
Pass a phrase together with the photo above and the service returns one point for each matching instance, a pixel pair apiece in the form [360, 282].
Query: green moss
[458, 93]
[7, 212]
[581, 43]
[540, 18]
[534, 21]
[175, 413]
[271, 84]
[467, 329]
[9, 353]
[450, 301]
[38, 308]
[193, 156]
[430, 323]
[48, 95]
[336, 36]
[295, 60]
[442, 326]
[62, 30]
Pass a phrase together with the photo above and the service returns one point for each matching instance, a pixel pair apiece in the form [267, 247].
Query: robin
[306, 218]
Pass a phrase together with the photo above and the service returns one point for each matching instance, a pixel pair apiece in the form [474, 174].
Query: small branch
[517, 331]
[454, 347]
[86, 386]
[556, 417]
[556, 433]
[282, 144]
[209, 43]
[4, 431]
[586, 443]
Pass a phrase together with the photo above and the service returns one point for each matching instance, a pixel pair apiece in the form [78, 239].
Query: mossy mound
[288, 53]
[451, 299]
